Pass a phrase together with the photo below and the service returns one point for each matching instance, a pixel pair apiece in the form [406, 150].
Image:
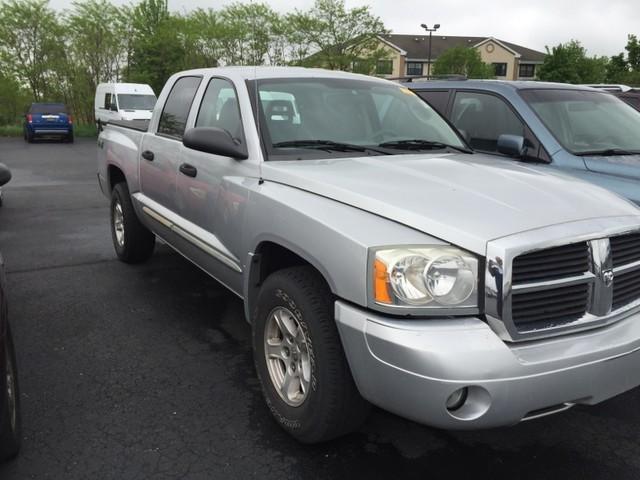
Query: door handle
[188, 170]
[148, 155]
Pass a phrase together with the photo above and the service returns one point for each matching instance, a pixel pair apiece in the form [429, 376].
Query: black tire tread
[345, 409]
[10, 440]
[139, 241]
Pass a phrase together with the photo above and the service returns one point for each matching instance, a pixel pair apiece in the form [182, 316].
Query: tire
[10, 425]
[136, 243]
[332, 405]
[69, 138]
[30, 137]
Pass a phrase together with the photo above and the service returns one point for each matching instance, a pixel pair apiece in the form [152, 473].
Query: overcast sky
[602, 26]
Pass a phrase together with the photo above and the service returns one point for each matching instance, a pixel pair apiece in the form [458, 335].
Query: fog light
[457, 399]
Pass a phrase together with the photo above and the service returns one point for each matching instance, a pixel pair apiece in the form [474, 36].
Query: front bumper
[411, 367]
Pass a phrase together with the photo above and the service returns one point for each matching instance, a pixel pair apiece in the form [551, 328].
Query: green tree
[157, 49]
[626, 69]
[341, 37]
[569, 63]
[462, 61]
[96, 30]
[30, 36]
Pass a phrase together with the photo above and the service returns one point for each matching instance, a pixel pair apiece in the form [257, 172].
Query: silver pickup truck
[378, 259]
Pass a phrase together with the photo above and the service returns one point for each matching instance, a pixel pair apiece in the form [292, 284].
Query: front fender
[329, 235]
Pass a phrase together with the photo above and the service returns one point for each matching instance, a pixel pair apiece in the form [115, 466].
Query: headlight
[425, 277]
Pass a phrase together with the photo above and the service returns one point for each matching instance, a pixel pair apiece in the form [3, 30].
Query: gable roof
[417, 46]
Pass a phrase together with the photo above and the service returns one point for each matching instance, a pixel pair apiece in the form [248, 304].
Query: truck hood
[466, 200]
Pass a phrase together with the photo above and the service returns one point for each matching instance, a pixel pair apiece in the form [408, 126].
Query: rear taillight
[29, 118]
[70, 119]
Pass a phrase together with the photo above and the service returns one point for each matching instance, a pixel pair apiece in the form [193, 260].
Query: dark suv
[48, 119]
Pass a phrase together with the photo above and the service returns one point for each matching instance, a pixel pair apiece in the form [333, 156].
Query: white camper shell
[123, 101]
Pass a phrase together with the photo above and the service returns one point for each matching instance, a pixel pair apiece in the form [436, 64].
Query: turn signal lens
[380, 284]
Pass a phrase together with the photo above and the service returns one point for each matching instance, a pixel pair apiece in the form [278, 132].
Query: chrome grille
[626, 288]
[551, 263]
[625, 249]
[541, 283]
[539, 308]
[548, 307]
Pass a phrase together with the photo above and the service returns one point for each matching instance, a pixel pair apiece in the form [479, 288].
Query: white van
[123, 101]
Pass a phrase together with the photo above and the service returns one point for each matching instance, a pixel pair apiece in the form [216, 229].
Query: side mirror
[215, 141]
[5, 174]
[512, 145]
[114, 107]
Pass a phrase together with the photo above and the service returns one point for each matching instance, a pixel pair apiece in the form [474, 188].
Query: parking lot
[131, 372]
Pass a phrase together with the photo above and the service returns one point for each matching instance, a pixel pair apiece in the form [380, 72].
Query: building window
[361, 66]
[384, 67]
[500, 69]
[527, 71]
[414, 68]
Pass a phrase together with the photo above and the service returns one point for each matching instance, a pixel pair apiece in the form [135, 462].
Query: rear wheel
[304, 374]
[69, 138]
[133, 242]
[10, 415]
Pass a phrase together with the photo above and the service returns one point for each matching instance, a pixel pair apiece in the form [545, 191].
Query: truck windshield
[307, 118]
[587, 123]
[136, 102]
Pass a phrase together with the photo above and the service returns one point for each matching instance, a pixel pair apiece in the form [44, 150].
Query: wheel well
[268, 258]
[115, 176]
[273, 257]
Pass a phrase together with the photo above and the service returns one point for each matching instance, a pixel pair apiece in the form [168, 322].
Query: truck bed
[139, 125]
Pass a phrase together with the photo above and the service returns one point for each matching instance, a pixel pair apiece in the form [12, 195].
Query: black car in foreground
[9, 397]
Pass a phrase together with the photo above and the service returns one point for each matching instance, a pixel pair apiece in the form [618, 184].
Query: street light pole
[430, 30]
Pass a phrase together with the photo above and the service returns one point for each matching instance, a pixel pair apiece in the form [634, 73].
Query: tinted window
[176, 109]
[384, 67]
[483, 118]
[414, 68]
[500, 69]
[437, 99]
[527, 71]
[220, 108]
[45, 108]
[107, 101]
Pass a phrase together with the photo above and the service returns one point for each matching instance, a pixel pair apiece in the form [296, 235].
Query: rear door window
[483, 118]
[173, 120]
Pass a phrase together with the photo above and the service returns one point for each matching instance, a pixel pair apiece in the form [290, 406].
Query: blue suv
[586, 132]
[48, 119]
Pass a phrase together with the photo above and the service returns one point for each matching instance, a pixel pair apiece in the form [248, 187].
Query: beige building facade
[409, 57]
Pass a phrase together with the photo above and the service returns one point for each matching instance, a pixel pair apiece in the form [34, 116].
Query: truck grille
[552, 263]
[575, 283]
[625, 249]
[565, 303]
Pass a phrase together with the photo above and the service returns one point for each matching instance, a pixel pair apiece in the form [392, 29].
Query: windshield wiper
[328, 145]
[419, 144]
[608, 152]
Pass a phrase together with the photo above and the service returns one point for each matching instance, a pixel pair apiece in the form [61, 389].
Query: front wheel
[299, 359]
[133, 242]
[10, 402]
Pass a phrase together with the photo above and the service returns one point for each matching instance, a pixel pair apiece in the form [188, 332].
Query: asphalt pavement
[135, 372]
